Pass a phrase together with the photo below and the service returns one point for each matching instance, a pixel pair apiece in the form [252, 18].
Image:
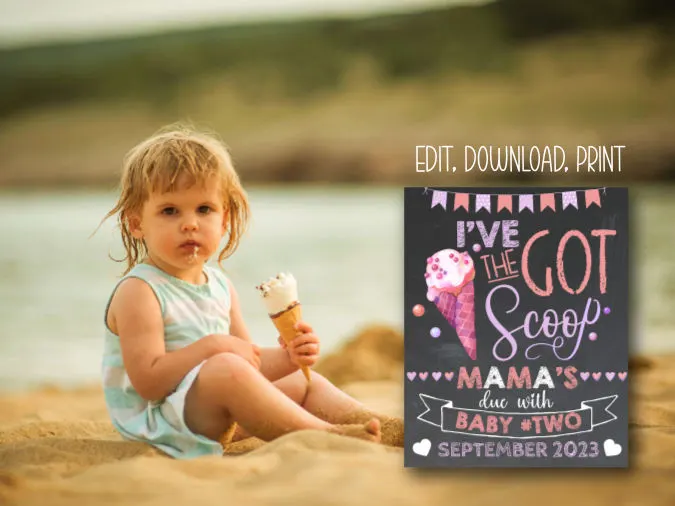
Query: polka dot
[476, 248]
[592, 336]
[435, 332]
[434, 267]
[607, 310]
[418, 310]
[439, 275]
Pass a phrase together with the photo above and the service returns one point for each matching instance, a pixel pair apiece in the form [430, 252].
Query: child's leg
[229, 389]
[326, 401]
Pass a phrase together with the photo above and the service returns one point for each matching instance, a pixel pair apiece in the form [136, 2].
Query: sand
[58, 447]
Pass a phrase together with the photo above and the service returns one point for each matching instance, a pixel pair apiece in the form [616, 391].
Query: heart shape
[622, 375]
[436, 375]
[422, 447]
[585, 375]
[611, 448]
[411, 375]
[597, 375]
[609, 376]
[423, 375]
[449, 375]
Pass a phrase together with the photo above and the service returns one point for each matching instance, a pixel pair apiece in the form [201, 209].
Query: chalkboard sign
[516, 327]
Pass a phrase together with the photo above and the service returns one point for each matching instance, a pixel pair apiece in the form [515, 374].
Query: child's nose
[190, 223]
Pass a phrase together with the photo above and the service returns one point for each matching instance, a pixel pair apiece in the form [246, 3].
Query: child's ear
[134, 223]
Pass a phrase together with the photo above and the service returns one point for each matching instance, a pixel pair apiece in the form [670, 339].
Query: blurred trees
[526, 19]
[305, 57]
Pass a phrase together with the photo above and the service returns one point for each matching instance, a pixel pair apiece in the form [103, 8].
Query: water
[343, 245]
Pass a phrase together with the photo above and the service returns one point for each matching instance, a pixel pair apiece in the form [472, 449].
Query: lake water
[344, 245]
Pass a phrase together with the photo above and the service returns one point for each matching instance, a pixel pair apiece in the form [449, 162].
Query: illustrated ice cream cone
[280, 295]
[449, 276]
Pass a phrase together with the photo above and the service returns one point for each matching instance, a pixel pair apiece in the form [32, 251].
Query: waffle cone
[285, 322]
[459, 311]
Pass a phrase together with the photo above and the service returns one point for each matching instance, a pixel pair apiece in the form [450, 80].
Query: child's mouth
[191, 249]
[189, 245]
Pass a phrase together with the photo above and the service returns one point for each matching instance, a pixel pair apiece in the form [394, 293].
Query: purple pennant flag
[570, 199]
[526, 202]
[483, 202]
[439, 198]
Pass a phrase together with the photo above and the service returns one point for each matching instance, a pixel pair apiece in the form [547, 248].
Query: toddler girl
[179, 366]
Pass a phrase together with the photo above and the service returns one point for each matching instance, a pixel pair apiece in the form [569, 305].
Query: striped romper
[190, 312]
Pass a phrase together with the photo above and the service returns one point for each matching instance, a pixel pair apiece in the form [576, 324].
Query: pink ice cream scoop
[449, 279]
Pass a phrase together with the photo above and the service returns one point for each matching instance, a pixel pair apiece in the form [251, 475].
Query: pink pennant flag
[570, 199]
[483, 202]
[547, 200]
[592, 197]
[461, 200]
[526, 202]
[504, 202]
[438, 197]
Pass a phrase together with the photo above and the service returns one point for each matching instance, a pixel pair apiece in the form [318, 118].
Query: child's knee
[315, 377]
[227, 367]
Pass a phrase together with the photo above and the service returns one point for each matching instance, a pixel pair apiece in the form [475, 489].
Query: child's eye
[204, 209]
[169, 211]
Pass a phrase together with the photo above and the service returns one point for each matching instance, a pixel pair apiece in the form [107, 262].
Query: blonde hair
[158, 162]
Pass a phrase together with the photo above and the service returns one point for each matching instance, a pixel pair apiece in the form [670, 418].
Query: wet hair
[177, 152]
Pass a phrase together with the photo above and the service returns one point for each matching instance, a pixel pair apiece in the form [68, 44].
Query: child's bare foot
[391, 427]
[369, 431]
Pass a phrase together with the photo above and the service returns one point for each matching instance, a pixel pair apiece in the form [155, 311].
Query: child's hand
[304, 349]
[248, 351]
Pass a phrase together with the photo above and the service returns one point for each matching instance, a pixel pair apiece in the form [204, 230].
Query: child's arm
[275, 362]
[136, 318]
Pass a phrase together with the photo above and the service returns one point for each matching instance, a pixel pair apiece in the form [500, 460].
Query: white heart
[611, 448]
[422, 447]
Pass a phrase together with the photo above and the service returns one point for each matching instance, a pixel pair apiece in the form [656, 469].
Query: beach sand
[58, 447]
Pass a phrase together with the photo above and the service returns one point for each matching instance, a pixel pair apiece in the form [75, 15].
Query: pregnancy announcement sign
[516, 327]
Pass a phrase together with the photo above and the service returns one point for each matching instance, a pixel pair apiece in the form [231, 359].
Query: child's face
[182, 229]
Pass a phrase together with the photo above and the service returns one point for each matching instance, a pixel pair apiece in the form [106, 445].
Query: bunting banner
[549, 201]
[461, 200]
[439, 198]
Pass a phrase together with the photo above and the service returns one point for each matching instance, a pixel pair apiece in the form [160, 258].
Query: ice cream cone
[446, 304]
[459, 312]
[280, 295]
[285, 324]
[450, 277]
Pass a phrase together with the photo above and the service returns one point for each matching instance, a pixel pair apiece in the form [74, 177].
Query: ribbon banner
[525, 202]
[475, 422]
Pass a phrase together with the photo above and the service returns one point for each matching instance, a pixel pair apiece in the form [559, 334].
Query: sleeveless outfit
[189, 312]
